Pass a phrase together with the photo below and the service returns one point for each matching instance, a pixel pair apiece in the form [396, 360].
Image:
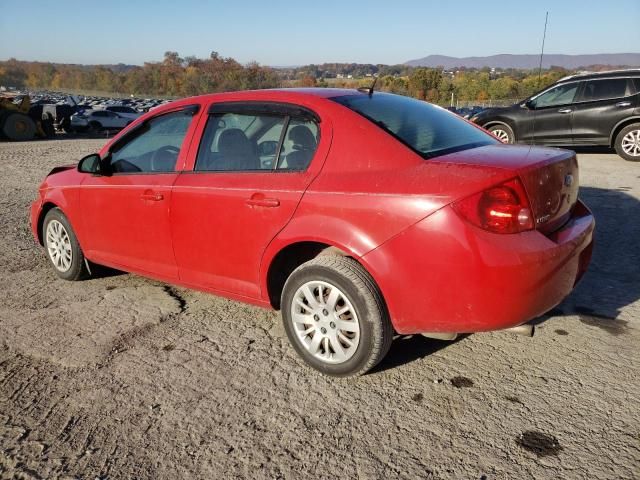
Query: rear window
[428, 130]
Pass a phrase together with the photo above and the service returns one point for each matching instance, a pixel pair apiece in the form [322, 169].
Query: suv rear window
[428, 130]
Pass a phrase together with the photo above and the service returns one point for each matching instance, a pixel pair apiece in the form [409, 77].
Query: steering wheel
[164, 158]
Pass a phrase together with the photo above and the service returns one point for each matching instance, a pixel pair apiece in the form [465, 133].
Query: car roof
[622, 73]
[284, 95]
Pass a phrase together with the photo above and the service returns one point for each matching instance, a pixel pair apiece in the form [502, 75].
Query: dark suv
[585, 109]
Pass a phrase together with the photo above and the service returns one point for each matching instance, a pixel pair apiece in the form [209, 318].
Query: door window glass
[604, 89]
[299, 145]
[155, 147]
[256, 141]
[560, 95]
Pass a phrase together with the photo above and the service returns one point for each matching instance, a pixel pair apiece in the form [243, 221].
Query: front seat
[236, 152]
[304, 146]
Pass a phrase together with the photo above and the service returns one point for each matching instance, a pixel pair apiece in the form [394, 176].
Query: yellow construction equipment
[15, 122]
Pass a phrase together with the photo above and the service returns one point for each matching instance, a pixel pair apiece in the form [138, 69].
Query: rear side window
[428, 130]
[256, 142]
[604, 89]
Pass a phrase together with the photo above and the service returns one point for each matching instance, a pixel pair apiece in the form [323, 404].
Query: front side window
[560, 95]
[154, 147]
[429, 130]
[604, 89]
[256, 142]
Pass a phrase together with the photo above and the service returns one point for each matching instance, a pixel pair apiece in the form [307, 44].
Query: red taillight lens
[501, 209]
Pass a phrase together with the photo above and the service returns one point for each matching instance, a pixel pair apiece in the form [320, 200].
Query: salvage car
[588, 109]
[99, 120]
[358, 214]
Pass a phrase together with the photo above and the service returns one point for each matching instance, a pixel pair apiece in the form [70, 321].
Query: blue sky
[295, 32]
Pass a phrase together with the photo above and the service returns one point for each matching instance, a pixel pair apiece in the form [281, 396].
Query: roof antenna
[369, 90]
[544, 36]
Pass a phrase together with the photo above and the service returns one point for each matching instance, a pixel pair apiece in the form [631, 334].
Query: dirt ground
[123, 377]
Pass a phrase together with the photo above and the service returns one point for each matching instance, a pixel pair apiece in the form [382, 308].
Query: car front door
[549, 121]
[601, 106]
[253, 164]
[126, 209]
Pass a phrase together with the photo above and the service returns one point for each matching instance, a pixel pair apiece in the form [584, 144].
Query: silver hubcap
[325, 322]
[59, 246]
[631, 143]
[501, 134]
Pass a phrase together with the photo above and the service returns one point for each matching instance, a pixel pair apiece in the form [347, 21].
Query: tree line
[175, 76]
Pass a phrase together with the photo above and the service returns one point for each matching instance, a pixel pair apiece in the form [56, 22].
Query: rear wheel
[95, 127]
[335, 317]
[503, 132]
[627, 142]
[63, 249]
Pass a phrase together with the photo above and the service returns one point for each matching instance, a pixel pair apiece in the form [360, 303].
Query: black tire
[632, 132]
[18, 126]
[47, 125]
[66, 125]
[95, 127]
[503, 132]
[77, 269]
[375, 329]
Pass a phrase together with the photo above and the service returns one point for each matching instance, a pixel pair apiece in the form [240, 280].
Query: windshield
[428, 130]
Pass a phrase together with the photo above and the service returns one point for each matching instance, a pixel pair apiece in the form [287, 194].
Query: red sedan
[355, 213]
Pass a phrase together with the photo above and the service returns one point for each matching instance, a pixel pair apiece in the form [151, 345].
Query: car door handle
[565, 110]
[623, 104]
[152, 196]
[261, 201]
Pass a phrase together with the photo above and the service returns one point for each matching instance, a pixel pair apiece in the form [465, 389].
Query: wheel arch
[46, 208]
[280, 265]
[619, 126]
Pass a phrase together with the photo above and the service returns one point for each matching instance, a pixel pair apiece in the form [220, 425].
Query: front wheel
[503, 132]
[628, 142]
[335, 317]
[63, 249]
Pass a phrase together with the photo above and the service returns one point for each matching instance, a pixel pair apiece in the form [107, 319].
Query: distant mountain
[529, 61]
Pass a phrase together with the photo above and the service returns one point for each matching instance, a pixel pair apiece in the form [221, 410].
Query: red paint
[365, 193]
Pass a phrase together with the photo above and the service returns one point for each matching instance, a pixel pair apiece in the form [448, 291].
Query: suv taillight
[503, 208]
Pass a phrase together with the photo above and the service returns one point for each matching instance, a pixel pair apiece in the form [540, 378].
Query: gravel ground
[123, 377]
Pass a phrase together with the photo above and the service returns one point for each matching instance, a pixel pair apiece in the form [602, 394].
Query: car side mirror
[90, 164]
[529, 105]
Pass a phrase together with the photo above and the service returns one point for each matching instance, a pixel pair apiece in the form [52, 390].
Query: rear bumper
[444, 275]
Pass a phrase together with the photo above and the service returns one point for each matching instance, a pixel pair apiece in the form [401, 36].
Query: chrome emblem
[568, 180]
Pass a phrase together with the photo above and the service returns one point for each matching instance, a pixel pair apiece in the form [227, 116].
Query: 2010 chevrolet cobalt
[355, 213]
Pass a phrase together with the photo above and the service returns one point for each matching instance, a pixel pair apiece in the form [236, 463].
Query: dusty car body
[355, 220]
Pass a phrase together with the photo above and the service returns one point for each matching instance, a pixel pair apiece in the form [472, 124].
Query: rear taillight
[504, 208]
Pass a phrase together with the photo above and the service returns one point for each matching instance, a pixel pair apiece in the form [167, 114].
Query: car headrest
[302, 138]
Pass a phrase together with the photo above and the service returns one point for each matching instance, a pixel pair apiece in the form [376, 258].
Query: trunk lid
[550, 177]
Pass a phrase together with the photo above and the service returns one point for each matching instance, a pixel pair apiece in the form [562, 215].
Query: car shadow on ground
[611, 283]
[409, 348]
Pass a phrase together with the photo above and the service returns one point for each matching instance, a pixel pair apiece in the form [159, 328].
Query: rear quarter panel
[371, 188]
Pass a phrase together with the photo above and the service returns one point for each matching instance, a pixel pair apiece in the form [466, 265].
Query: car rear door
[550, 121]
[602, 104]
[249, 174]
[125, 211]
